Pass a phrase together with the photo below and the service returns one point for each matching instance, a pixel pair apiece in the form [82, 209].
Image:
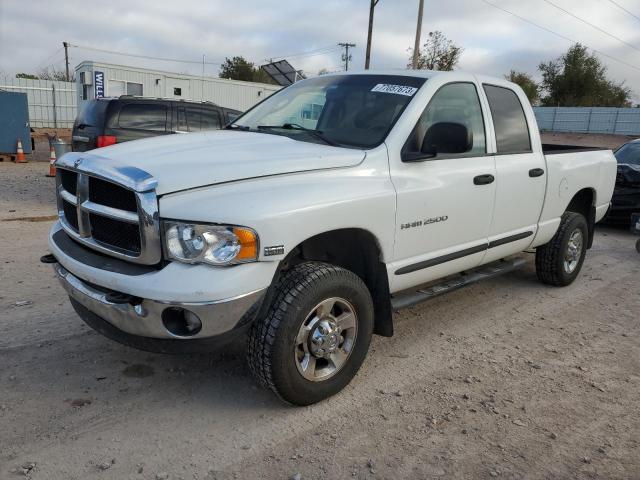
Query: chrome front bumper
[145, 318]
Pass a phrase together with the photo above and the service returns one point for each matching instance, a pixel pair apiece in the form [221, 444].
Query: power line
[319, 51]
[308, 53]
[591, 24]
[177, 60]
[624, 9]
[560, 35]
[48, 59]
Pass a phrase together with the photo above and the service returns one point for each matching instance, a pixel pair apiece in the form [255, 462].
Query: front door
[444, 203]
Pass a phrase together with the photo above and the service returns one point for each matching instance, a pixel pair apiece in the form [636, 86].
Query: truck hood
[184, 161]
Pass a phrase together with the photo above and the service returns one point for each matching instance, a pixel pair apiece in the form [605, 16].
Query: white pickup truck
[316, 214]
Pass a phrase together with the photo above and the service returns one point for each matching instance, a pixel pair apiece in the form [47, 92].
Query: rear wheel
[559, 261]
[315, 335]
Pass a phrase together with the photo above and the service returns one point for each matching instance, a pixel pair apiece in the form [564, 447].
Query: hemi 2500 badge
[422, 223]
[275, 250]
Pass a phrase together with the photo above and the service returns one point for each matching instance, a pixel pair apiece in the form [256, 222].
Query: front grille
[112, 195]
[115, 233]
[106, 216]
[70, 214]
[69, 181]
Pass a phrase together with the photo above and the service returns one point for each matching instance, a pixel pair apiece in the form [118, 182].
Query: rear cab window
[509, 120]
[92, 114]
[143, 116]
[231, 116]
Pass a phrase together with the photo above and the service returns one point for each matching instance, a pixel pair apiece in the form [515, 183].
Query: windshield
[347, 110]
[629, 153]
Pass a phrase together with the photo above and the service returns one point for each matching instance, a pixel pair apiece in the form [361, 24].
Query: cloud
[494, 41]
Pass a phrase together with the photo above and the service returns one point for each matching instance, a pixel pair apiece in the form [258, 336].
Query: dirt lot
[506, 379]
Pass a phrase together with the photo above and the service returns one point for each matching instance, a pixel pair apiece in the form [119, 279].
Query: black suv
[106, 121]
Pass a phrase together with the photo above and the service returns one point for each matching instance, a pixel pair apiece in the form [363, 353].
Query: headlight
[213, 244]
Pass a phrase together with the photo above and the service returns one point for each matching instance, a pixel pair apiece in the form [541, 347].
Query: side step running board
[462, 280]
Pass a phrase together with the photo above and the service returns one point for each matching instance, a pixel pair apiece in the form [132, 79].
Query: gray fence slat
[41, 102]
[623, 121]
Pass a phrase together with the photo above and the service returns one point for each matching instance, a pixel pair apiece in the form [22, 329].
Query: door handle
[483, 179]
[536, 172]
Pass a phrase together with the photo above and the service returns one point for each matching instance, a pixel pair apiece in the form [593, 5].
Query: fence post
[55, 114]
[615, 122]
[553, 122]
[589, 120]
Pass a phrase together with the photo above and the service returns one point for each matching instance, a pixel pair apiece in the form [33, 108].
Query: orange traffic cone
[20, 158]
[52, 162]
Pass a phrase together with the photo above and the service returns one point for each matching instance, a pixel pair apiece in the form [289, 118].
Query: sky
[307, 33]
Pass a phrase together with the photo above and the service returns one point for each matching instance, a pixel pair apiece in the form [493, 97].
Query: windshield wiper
[233, 126]
[294, 126]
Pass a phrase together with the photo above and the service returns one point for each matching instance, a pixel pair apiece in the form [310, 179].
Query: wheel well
[356, 250]
[583, 202]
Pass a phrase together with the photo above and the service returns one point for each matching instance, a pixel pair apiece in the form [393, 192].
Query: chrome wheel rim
[574, 251]
[326, 339]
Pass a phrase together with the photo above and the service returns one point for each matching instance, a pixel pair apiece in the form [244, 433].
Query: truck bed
[554, 148]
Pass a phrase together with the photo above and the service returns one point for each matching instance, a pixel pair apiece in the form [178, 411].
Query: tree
[47, 74]
[528, 84]
[239, 68]
[54, 74]
[438, 53]
[578, 79]
[323, 71]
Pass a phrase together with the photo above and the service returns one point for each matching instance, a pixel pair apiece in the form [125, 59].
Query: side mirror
[447, 137]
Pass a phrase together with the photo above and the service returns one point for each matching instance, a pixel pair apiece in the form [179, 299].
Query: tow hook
[48, 258]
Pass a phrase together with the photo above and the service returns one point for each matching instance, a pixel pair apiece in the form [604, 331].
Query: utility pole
[345, 56]
[66, 58]
[367, 57]
[416, 47]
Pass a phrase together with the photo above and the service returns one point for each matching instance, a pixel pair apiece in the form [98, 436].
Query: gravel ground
[504, 379]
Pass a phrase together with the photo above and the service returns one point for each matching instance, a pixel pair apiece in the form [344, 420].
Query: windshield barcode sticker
[397, 89]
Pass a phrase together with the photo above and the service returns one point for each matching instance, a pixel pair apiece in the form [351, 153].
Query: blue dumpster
[14, 122]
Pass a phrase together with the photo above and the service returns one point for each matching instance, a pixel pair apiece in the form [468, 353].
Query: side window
[200, 118]
[509, 121]
[143, 116]
[134, 89]
[450, 126]
[231, 116]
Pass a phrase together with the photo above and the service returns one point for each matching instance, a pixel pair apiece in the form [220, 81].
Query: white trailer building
[96, 80]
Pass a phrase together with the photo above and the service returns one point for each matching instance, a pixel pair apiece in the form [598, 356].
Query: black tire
[272, 339]
[550, 258]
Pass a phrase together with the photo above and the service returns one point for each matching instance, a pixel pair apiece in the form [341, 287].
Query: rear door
[444, 203]
[521, 176]
[140, 119]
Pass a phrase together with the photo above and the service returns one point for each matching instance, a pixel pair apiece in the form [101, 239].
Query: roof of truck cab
[421, 74]
[430, 74]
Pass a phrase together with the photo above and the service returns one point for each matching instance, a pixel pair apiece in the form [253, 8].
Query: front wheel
[315, 334]
[559, 261]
